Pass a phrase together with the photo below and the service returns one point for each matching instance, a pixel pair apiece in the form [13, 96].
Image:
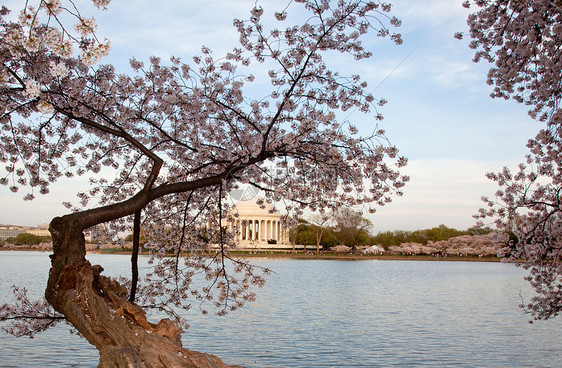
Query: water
[335, 314]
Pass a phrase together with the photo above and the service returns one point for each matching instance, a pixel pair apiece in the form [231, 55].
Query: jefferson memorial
[258, 228]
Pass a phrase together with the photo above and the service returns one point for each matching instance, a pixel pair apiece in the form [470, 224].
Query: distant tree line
[389, 238]
[28, 239]
[351, 229]
[345, 227]
[306, 234]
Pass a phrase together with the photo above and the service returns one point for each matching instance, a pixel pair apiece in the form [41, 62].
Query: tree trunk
[318, 239]
[97, 307]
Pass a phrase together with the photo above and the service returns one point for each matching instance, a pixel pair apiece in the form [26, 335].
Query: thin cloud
[440, 191]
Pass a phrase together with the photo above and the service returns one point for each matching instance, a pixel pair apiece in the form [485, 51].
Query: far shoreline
[301, 255]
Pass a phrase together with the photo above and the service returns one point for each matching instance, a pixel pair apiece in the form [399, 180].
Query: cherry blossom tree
[177, 138]
[522, 40]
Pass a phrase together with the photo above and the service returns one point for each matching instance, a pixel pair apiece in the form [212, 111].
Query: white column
[250, 230]
[238, 231]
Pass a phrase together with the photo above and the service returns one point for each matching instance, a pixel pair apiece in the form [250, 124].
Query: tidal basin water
[320, 313]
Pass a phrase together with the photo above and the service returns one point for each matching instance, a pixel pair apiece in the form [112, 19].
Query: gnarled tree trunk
[98, 308]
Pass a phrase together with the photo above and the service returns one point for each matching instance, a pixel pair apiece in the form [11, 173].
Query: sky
[439, 113]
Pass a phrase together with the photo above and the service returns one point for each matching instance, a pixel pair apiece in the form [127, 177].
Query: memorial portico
[257, 227]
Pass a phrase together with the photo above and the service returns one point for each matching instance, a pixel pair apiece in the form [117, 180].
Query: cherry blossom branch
[28, 317]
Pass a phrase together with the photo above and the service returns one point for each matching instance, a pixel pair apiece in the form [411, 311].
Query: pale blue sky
[439, 112]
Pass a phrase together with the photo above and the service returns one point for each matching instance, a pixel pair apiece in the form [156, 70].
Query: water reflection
[336, 314]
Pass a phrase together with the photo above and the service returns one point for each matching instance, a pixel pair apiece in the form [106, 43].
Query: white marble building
[258, 228]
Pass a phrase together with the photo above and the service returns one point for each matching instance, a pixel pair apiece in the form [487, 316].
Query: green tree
[351, 228]
[28, 239]
[442, 232]
[389, 238]
[478, 231]
[303, 233]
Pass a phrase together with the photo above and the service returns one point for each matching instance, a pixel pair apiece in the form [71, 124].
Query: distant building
[10, 232]
[258, 228]
[40, 230]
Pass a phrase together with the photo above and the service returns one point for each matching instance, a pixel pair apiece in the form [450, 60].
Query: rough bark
[98, 308]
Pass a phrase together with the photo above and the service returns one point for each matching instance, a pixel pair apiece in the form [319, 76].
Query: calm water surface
[334, 314]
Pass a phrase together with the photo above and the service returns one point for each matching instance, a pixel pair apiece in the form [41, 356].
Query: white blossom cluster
[522, 39]
[40, 30]
[28, 317]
